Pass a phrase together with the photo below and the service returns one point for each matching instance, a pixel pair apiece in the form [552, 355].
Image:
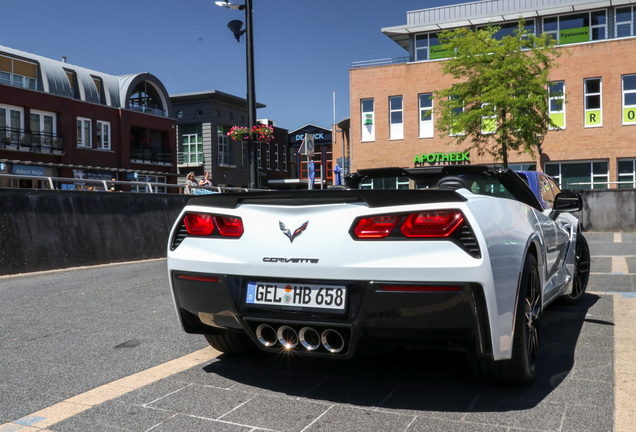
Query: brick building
[65, 121]
[392, 117]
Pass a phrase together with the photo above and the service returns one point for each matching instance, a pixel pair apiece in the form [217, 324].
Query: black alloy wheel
[581, 271]
[521, 369]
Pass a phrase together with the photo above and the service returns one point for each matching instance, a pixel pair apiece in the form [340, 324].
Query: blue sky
[303, 49]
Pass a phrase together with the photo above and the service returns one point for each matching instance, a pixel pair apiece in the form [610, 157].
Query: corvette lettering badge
[298, 231]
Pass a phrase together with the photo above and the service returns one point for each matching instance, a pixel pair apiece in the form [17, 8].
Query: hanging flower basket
[239, 133]
[261, 133]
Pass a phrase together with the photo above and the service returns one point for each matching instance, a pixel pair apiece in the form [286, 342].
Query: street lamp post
[251, 91]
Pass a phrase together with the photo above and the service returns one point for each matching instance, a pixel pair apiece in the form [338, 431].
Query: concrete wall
[609, 210]
[44, 230]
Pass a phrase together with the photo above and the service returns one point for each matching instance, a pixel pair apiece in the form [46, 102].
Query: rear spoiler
[372, 198]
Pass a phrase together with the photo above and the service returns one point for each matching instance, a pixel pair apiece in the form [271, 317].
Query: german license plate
[297, 295]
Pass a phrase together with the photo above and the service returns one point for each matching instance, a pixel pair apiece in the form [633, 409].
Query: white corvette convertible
[455, 257]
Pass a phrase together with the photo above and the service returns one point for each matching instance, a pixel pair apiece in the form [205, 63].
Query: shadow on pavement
[413, 380]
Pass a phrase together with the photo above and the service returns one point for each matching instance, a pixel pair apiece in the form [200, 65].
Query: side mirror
[568, 202]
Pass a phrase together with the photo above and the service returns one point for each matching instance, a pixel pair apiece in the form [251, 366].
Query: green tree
[499, 102]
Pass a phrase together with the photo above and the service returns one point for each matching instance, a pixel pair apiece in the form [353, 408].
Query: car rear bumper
[374, 318]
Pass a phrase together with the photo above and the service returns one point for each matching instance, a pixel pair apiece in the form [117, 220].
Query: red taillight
[376, 226]
[229, 226]
[203, 224]
[439, 223]
[420, 288]
[199, 224]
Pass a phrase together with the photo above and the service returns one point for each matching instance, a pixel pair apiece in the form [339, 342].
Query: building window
[556, 90]
[396, 115]
[488, 123]
[284, 158]
[456, 111]
[575, 28]
[43, 128]
[11, 124]
[629, 99]
[84, 133]
[276, 158]
[103, 135]
[593, 102]
[579, 175]
[624, 22]
[267, 156]
[427, 128]
[627, 173]
[192, 144]
[259, 159]
[427, 47]
[18, 73]
[223, 147]
[385, 183]
[509, 28]
[368, 120]
[146, 99]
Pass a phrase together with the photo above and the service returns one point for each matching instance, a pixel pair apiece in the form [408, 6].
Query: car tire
[231, 343]
[581, 271]
[521, 369]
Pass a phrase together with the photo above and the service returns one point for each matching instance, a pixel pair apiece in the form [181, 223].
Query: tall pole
[251, 94]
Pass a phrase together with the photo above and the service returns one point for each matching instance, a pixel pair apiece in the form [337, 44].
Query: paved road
[99, 349]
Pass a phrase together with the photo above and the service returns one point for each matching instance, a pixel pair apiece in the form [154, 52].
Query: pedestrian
[206, 182]
[190, 183]
[114, 187]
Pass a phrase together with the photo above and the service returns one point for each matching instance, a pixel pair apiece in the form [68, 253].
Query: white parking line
[619, 265]
[39, 421]
[624, 365]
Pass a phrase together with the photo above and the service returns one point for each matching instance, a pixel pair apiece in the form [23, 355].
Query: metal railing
[380, 62]
[190, 158]
[148, 109]
[150, 156]
[33, 141]
[102, 185]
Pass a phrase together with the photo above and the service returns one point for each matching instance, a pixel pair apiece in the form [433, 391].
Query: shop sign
[438, 52]
[629, 115]
[558, 119]
[29, 170]
[593, 118]
[570, 36]
[452, 158]
[321, 136]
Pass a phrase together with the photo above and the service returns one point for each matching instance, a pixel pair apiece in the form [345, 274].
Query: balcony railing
[148, 109]
[152, 156]
[31, 141]
[381, 62]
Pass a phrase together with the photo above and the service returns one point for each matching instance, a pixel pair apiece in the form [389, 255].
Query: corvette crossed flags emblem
[298, 231]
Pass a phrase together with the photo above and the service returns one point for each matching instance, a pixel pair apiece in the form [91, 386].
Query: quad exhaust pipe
[309, 338]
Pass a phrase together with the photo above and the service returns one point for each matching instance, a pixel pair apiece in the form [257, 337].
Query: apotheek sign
[452, 158]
